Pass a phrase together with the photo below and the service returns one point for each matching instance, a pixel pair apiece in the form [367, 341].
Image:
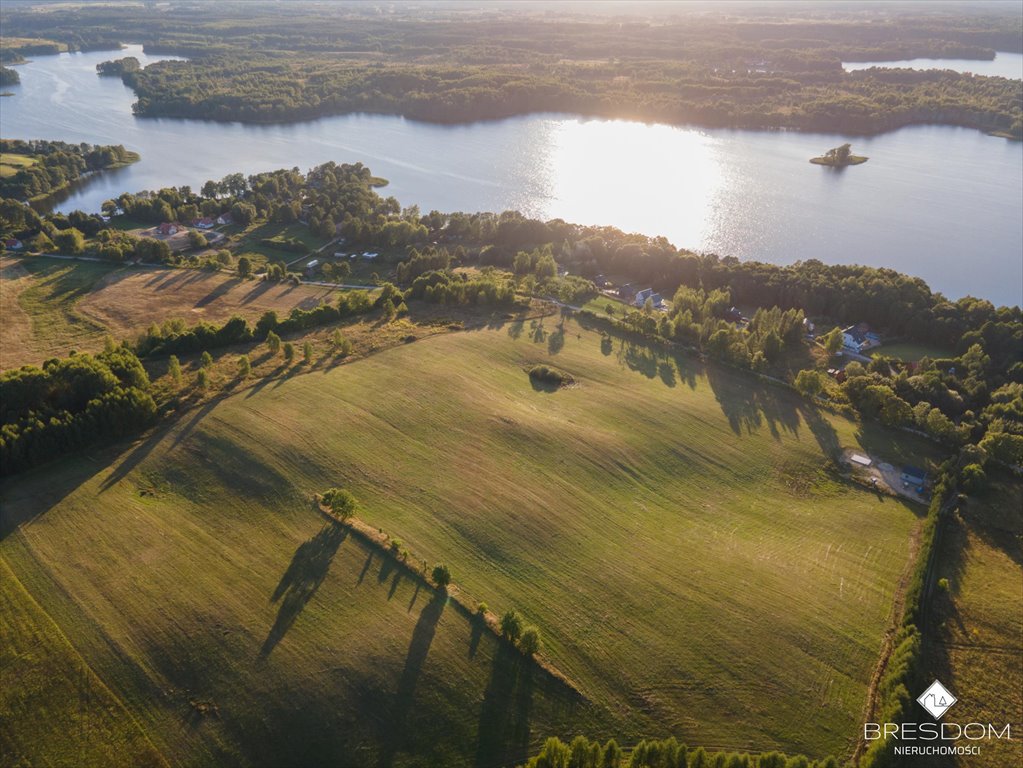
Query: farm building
[859, 338]
[648, 293]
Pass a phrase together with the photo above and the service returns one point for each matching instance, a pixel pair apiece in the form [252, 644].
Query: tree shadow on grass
[395, 730]
[307, 570]
[504, 717]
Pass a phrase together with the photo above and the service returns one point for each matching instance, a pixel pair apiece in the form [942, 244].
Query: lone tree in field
[206, 360]
[289, 351]
[273, 342]
[244, 267]
[307, 353]
[530, 642]
[244, 366]
[441, 576]
[511, 625]
[340, 502]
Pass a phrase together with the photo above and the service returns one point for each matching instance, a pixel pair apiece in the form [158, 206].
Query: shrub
[548, 374]
[973, 478]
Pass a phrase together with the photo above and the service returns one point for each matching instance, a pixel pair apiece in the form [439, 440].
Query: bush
[548, 374]
[973, 478]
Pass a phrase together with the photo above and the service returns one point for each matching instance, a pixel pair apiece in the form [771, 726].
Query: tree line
[581, 752]
[774, 68]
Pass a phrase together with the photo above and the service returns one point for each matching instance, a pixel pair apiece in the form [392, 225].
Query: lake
[939, 202]
[1003, 65]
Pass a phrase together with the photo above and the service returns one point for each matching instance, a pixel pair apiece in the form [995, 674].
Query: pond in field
[939, 202]
[1003, 65]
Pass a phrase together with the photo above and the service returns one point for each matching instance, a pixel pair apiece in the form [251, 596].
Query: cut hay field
[979, 651]
[51, 306]
[674, 530]
[11, 163]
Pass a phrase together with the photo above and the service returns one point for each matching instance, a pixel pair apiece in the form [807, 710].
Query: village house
[167, 229]
[204, 223]
[224, 219]
[859, 338]
[648, 293]
[13, 244]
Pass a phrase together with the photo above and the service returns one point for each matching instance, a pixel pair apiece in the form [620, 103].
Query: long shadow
[503, 735]
[220, 291]
[140, 452]
[305, 573]
[394, 731]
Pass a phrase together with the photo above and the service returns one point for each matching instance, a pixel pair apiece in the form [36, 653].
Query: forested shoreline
[50, 166]
[776, 69]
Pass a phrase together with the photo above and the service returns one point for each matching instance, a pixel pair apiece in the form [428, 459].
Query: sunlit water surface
[939, 202]
[1003, 65]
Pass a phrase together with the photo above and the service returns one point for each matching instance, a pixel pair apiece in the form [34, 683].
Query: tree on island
[839, 155]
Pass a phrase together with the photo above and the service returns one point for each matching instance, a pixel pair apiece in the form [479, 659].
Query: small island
[839, 157]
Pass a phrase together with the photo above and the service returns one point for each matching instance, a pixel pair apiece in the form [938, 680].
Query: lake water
[1003, 65]
[940, 202]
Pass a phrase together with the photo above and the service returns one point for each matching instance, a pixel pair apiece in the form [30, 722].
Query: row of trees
[654, 753]
[175, 337]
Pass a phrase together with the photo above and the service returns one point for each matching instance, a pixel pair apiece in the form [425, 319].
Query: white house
[858, 338]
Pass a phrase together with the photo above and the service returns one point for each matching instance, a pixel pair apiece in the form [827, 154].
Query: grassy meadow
[674, 530]
[979, 650]
[11, 163]
[52, 306]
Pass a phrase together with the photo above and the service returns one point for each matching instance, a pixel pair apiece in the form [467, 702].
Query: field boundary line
[381, 541]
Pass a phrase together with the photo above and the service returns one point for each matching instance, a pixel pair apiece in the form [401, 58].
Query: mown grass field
[11, 163]
[52, 306]
[674, 531]
[910, 352]
[979, 653]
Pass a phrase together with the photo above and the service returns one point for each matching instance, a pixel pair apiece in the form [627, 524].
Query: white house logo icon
[937, 700]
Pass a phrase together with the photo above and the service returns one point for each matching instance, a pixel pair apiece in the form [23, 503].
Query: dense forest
[118, 67]
[774, 67]
[52, 165]
[71, 403]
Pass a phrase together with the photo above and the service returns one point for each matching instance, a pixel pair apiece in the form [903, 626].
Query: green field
[674, 530]
[910, 352]
[11, 163]
[979, 653]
